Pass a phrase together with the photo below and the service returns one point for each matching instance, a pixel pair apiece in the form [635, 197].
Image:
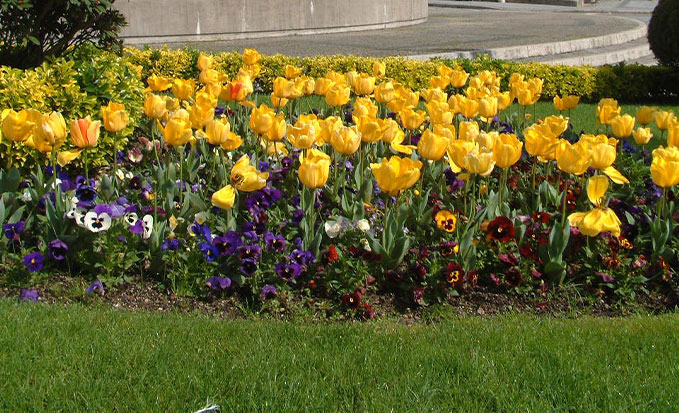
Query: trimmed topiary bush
[663, 32]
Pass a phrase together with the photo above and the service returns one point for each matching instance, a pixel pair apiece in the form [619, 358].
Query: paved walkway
[462, 26]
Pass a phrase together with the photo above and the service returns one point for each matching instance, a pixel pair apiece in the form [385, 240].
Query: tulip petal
[596, 188]
[615, 176]
[66, 157]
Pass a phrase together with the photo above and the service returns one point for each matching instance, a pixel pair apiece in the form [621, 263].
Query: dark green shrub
[34, 30]
[663, 32]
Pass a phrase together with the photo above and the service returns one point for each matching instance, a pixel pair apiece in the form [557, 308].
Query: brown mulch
[482, 301]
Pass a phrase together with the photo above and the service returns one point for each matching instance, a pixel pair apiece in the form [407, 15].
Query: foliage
[663, 32]
[35, 30]
[76, 88]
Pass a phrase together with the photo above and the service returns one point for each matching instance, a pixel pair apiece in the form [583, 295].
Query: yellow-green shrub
[76, 88]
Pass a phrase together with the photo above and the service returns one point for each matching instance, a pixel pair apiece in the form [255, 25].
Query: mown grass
[73, 358]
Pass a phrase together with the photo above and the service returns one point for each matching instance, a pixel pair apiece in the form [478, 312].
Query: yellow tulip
[572, 158]
[205, 62]
[390, 130]
[673, 135]
[596, 189]
[444, 71]
[328, 126]
[507, 150]
[432, 146]
[665, 166]
[457, 151]
[338, 95]
[397, 145]
[284, 88]
[645, 114]
[200, 115]
[486, 140]
[251, 56]
[411, 119]
[159, 83]
[233, 142]
[488, 107]
[277, 102]
[155, 107]
[540, 141]
[567, 102]
[385, 92]
[526, 97]
[208, 77]
[302, 136]
[216, 131]
[468, 107]
[439, 113]
[177, 131]
[305, 85]
[364, 107]
[434, 94]
[336, 77]
[556, 124]
[622, 125]
[346, 140]
[18, 126]
[396, 174]
[115, 117]
[278, 130]
[224, 198]
[171, 104]
[602, 155]
[504, 100]
[370, 128]
[49, 132]
[314, 168]
[261, 119]
[292, 72]
[469, 130]
[664, 119]
[364, 84]
[322, 85]
[596, 221]
[439, 82]
[379, 69]
[445, 130]
[458, 78]
[479, 162]
[85, 132]
[183, 89]
[245, 177]
[606, 111]
[643, 135]
[65, 157]
[535, 86]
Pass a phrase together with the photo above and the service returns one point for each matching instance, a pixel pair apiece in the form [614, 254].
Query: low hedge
[627, 83]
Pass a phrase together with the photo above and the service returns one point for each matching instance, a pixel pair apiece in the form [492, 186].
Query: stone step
[626, 52]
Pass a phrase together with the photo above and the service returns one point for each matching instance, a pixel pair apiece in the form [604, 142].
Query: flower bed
[341, 186]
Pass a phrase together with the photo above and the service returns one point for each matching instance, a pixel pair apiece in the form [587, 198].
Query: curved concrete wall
[167, 21]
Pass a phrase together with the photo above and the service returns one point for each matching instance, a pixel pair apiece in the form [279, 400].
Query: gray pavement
[446, 29]
[472, 26]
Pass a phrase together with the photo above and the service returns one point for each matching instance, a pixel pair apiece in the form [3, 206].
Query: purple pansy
[268, 292]
[95, 287]
[28, 295]
[33, 261]
[288, 271]
[248, 267]
[218, 283]
[57, 249]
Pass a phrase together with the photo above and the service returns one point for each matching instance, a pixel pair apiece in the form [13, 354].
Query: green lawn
[73, 358]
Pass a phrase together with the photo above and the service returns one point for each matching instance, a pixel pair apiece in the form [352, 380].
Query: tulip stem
[87, 175]
[115, 162]
[501, 189]
[534, 191]
[565, 201]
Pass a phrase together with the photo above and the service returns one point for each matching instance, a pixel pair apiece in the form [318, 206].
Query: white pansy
[97, 222]
[120, 174]
[200, 217]
[363, 225]
[130, 218]
[333, 228]
[26, 196]
[147, 224]
[366, 245]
